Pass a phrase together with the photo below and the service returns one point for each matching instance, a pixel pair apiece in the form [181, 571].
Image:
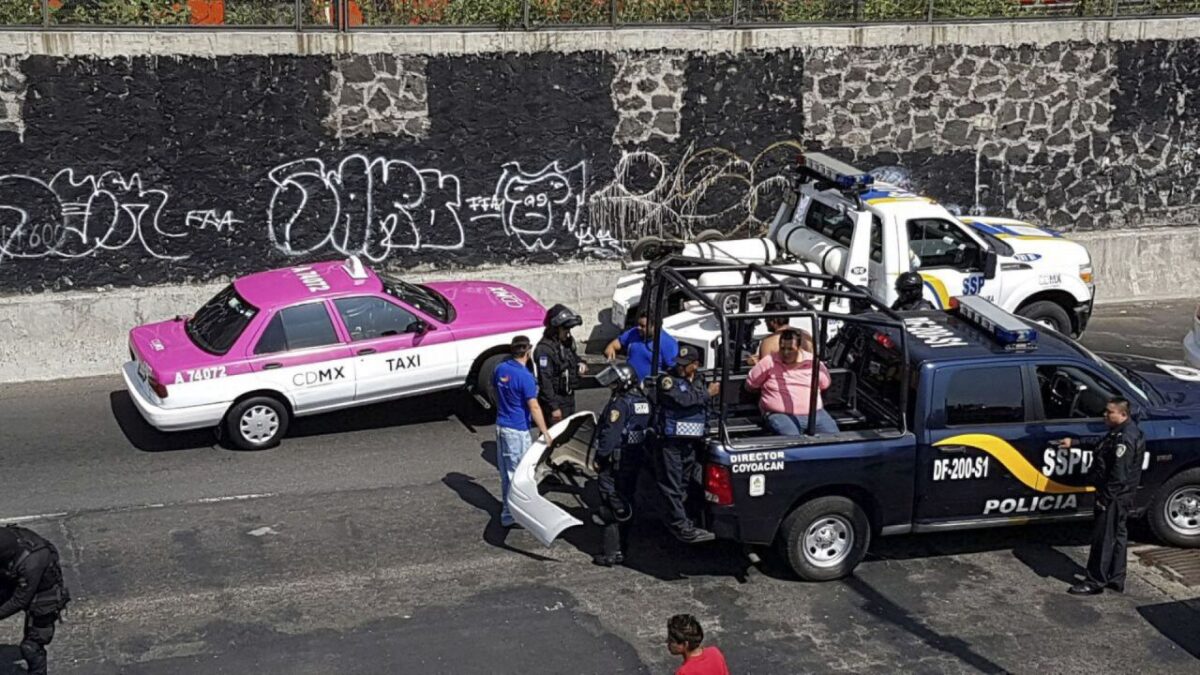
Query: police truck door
[978, 450]
[950, 259]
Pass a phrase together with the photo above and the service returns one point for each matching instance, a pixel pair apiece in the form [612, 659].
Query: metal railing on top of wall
[351, 15]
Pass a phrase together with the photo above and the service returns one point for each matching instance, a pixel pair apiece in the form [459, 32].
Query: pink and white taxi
[319, 337]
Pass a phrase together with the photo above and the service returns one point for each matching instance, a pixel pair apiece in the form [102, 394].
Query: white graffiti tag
[367, 207]
[73, 217]
[542, 209]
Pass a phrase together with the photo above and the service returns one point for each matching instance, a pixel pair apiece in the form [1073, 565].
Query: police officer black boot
[612, 547]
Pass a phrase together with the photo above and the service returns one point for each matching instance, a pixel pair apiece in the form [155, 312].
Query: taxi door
[950, 259]
[396, 351]
[300, 352]
[978, 455]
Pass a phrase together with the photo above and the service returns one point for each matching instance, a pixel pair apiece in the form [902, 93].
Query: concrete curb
[59, 335]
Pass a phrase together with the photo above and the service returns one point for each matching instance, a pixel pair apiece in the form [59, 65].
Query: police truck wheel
[483, 381]
[826, 538]
[256, 423]
[1048, 314]
[1174, 513]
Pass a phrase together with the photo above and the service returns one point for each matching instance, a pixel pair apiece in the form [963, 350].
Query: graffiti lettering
[367, 207]
[211, 218]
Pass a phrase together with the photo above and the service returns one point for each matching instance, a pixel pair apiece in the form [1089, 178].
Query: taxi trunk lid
[163, 349]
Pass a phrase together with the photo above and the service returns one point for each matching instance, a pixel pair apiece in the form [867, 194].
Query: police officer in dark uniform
[620, 436]
[558, 365]
[31, 581]
[682, 416]
[1116, 471]
[909, 287]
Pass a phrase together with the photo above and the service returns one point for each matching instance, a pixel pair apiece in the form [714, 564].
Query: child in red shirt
[684, 636]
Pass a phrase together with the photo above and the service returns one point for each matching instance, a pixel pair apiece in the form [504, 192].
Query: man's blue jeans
[511, 445]
[797, 425]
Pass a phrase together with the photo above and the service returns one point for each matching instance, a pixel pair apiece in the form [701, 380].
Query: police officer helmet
[909, 283]
[619, 376]
[560, 316]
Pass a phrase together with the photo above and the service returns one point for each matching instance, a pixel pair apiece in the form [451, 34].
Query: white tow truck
[841, 221]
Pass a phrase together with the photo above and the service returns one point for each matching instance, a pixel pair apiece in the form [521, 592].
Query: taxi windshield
[422, 297]
[217, 325]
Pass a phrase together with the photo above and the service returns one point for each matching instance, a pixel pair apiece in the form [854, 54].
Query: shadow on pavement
[1177, 621]
[881, 606]
[478, 496]
[433, 407]
[1048, 562]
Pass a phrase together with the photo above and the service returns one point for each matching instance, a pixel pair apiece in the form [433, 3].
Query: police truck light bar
[840, 173]
[1012, 333]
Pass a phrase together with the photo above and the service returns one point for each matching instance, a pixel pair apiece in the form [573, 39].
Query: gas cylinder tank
[805, 244]
[743, 251]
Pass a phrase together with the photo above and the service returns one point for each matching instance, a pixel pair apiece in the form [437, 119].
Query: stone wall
[153, 159]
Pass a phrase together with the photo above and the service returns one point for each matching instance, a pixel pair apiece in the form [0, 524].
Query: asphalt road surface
[368, 543]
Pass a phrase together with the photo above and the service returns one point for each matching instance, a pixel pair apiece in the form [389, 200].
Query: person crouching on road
[558, 365]
[909, 290]
[638, 343]
[1116, 471]
[33, 582]
[684, 636]
[682, 420]
[620, 435]
[516, 408]
[785, 380]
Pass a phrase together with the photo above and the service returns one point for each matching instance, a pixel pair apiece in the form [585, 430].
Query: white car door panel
[544, 519]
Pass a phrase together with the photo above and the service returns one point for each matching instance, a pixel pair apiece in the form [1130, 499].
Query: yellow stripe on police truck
[1015, 462]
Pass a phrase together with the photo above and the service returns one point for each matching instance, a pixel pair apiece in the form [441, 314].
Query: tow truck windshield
[217, 325]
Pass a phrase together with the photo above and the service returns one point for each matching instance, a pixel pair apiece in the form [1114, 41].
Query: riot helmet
[561, 316]
[909, 284]
[619, 377]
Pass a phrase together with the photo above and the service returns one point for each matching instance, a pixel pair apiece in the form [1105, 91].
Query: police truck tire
[826, 538]
[483, 381]
[257, 423]
[1174, 513]
[1044, 311]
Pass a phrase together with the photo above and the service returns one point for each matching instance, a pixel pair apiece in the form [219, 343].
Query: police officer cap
[8, 545]
[909, 281]
[687, 355]
[560, 315]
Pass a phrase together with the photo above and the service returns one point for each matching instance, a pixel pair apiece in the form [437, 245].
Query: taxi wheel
[483, 381]
[826, 538]
[1048, 314]
[256, 423]
[1174, 513]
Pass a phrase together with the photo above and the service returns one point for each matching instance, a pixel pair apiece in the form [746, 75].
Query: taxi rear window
[219, 323]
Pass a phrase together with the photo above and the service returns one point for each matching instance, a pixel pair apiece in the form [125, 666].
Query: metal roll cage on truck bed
[947, 420]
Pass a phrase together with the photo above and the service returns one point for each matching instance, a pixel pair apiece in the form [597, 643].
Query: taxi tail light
[884, 341]
[718, 485]
[159, 389]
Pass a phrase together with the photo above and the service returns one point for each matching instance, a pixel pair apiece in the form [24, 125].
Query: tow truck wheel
[826, 538]
[1048, 314]
[256, 423]
[1174, 514]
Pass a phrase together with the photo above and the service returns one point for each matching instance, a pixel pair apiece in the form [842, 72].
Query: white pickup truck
[840, 221]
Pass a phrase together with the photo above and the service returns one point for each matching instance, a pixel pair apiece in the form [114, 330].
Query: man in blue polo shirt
[638, 343]
[516, 408]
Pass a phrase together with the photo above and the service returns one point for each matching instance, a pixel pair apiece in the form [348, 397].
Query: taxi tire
[1156, 514]
[797, 523]
[483, 381]
[233, 417]
[1050, 312]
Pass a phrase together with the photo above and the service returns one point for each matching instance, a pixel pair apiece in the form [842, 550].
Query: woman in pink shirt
[785, 380]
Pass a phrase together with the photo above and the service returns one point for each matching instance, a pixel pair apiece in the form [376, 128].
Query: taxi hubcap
[259, 423]
[1183, 510]
[828, 541]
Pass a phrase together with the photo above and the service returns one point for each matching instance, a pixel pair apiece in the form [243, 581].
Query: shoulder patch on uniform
[1120, 449]
[614, 415]
[544, 361]
[666, 383]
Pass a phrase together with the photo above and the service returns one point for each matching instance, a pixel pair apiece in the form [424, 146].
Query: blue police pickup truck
[946, 422]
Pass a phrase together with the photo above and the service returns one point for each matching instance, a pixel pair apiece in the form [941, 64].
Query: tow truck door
[950, 259]
[979, 449]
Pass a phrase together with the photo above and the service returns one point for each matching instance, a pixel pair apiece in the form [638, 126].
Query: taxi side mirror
[990, 260]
